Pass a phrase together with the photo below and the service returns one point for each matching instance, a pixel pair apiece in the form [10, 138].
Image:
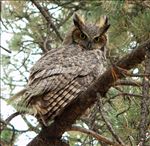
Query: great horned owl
[61, 74]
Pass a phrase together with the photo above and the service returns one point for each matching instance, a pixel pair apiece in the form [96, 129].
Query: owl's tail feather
[16, 96]
[18, 102]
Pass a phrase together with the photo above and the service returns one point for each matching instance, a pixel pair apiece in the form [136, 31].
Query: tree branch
[108, 124]
[72, 112]
[128, 83]
[7, 121]
[94, 134]
[5, 49]
[145, 102]
[47, 16]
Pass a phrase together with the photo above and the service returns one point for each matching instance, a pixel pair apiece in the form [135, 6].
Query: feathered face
[90, 36]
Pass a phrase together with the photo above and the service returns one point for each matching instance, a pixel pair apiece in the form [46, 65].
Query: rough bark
[51, 135]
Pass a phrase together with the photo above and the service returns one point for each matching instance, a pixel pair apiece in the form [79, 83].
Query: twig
[8, 120]
[94, 134]
[125, 110]
[31, 127]
[128, 83]
[127, 94]
[137, 75]
[12, 116]
[5, 49]
[109, 126]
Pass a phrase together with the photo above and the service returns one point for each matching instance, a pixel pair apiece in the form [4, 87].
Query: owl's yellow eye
[83, 36]
[100, 39]
[97, 39]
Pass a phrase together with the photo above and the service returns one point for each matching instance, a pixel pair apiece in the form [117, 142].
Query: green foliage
[5, 59]
[6, 135]
[16, 42]
[140, 25]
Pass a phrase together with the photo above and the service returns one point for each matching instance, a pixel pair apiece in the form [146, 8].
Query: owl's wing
[49, 95]
[55, 81]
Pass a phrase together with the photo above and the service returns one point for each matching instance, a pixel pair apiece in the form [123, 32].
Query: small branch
[12, 116]
[47, 16]
[138, 75]
[125, 110]
[94, 134]
[5, 49]
[7, 121]
[127, 94]
[128, 83]
[109, 126]
[31, 127]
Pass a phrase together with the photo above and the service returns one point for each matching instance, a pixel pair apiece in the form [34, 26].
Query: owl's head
[88, 36]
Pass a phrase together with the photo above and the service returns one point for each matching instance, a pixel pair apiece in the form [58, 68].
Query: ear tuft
[104, 24]
[103, 21]
[78, 22]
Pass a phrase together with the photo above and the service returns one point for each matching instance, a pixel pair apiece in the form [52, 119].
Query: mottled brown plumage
[61, 74]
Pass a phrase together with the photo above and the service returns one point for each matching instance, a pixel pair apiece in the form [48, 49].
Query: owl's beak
[89, 45]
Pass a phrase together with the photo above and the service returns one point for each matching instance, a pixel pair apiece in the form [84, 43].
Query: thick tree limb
[51, 134]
